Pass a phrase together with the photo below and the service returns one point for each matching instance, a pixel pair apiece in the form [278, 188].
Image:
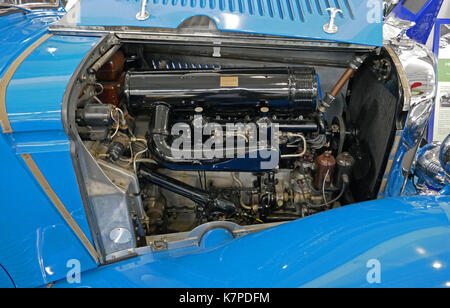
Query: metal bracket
[160, 245]
[402, 40]
[331, 27]
[216, 49]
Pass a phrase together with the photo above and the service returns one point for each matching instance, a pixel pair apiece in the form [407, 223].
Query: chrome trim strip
[390, 164]
[173, 241]
[4, 82]
[403, 78]
[418, 64]
[199, 37]
[29, 161]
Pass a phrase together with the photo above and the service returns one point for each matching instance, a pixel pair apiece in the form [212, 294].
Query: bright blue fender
[37, 242]
[383, 243]
[5, 279]
[406, 239]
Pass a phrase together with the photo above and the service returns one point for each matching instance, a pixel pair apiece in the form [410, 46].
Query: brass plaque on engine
[229, 82]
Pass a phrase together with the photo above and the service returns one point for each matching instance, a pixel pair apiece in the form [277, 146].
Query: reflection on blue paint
[361, 22]
[409, 237]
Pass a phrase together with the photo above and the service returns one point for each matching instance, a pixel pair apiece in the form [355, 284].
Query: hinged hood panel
[359, 23]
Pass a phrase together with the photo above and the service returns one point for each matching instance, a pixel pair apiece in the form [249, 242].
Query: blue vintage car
[220, 144]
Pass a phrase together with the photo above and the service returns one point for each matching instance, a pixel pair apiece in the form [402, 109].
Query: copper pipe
[341, 83]
[103, 59]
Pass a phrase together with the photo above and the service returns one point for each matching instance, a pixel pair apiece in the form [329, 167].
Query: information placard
[441, 124]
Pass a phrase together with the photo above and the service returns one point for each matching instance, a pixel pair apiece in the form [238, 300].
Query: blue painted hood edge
[409, 237]
[20, 30]
[361, 21]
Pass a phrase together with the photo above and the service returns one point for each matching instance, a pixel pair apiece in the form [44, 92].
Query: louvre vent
[361, 21]
[158, 65]
[294, 10]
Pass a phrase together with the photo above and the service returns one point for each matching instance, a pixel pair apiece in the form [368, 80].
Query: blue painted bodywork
[5, 280]
[410, 237]
[445, 191]
[36, 242]
[34, 95]
[19, 30]
[360, 23]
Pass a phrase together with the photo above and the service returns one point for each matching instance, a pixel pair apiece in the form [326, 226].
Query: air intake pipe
[162, 150]
[160, 138]
[160, 133]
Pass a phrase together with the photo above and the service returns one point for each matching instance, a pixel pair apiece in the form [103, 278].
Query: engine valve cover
[281, 89]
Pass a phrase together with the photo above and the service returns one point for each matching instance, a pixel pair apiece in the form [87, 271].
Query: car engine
[181, 187]
[175, 144]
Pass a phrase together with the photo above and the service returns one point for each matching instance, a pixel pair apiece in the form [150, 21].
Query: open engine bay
[170, 142]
